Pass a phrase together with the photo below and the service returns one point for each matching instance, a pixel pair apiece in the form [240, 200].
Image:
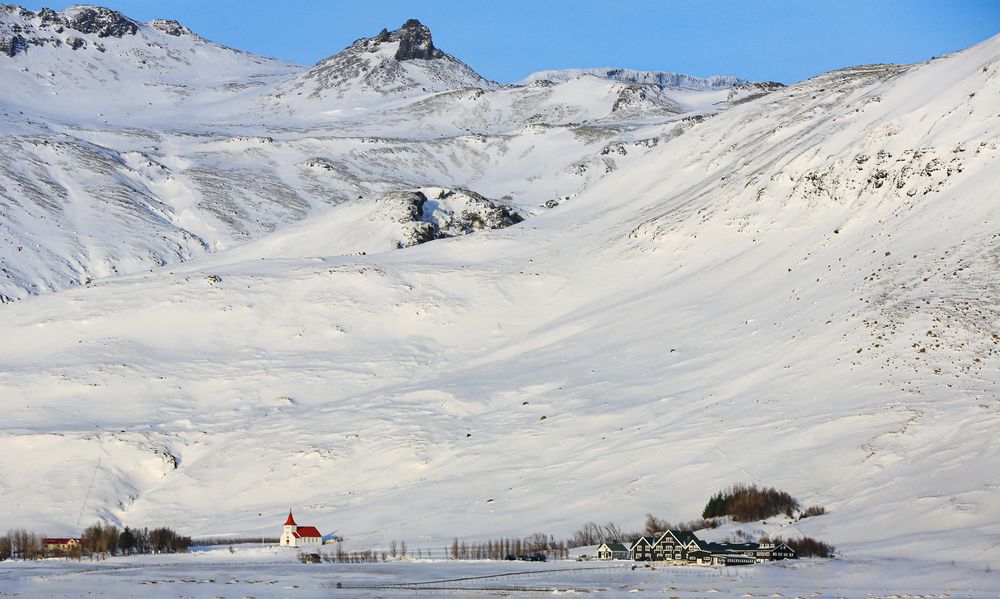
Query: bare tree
[6, 547]
[656, 525]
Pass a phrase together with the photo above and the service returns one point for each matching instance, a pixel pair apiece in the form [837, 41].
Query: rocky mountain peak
[100, 21]
[415, 42]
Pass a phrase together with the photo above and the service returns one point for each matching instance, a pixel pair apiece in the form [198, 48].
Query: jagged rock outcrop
[414, 42]
[446, 213]
[404, 61]
[102, 22]
[24, 28]
[50, 18]
[12, 44]
[170, 27]
[75, 42]
[644, 98]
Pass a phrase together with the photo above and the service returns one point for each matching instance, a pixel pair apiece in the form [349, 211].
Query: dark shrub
[808, 547]
[814, 510]
[656, 525]
[749, 503]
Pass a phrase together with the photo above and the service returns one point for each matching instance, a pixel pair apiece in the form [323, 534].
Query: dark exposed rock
[421, 232]
[170, 27]
[450, 213]
[16, 11]
[103, 22]
[415, 42]
[384, 64]
[50, 18]
[75, 42]
[11, 45]
[411, 205]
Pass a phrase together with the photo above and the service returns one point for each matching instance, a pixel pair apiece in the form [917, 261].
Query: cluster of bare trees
[102, 539]
[210, 541]
[396, 551]
[656, 525]
[21, 544]
[350, 557]
[504, 548]
[498, 549]
[593, 533]
[99, 540]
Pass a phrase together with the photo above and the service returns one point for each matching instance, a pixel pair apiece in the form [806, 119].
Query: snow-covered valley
[714, 281]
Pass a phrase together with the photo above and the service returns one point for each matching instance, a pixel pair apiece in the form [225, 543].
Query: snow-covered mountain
[659, 78]
[796, 289]
[400, 63]
[128, 146]
[96, 67]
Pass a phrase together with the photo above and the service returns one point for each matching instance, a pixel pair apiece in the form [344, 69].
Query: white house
[613, 550]
[299, 536]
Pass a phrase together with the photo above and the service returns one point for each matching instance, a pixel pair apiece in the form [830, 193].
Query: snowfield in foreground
[270, 572]
[800, 290]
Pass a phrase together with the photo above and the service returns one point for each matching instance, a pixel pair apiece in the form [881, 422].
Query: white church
[299, 536]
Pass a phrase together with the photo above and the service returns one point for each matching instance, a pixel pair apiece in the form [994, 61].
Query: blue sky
[782, 40]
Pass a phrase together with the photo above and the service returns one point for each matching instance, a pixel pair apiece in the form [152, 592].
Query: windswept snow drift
[799, 291]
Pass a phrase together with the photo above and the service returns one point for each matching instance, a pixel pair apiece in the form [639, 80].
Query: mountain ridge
[138, 151]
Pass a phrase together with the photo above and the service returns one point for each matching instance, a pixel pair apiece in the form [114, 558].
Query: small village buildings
[683, 546]
[613, 550]
[769, 552]
[670, 545]
[642, 549]
[61, 544]
[294, 535]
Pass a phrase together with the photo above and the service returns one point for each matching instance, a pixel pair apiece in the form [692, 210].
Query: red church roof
[290, 521]
[306, 531]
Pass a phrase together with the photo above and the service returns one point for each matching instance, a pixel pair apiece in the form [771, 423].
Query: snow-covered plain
[271, 572]
[799, 290]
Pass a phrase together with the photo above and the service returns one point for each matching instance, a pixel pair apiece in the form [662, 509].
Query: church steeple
[290, 521]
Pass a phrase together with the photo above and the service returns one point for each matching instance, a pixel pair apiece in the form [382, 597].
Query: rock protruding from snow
[170, 27]
[658, 78]
[645, 100]
[10, 45]
[414, 42]
[100, 21]
[445, 213]
[401, 62]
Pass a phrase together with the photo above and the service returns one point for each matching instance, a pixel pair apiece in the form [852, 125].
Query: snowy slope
[96, 66]
[660, 78]
[393, 64]
[799, 291]
[173, 147]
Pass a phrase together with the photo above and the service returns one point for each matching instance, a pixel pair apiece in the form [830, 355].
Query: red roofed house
[299, 536]
[61, 544]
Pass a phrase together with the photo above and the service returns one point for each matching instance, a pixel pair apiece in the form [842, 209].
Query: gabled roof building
[293, 535]
[613, 550]
[685, 546]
